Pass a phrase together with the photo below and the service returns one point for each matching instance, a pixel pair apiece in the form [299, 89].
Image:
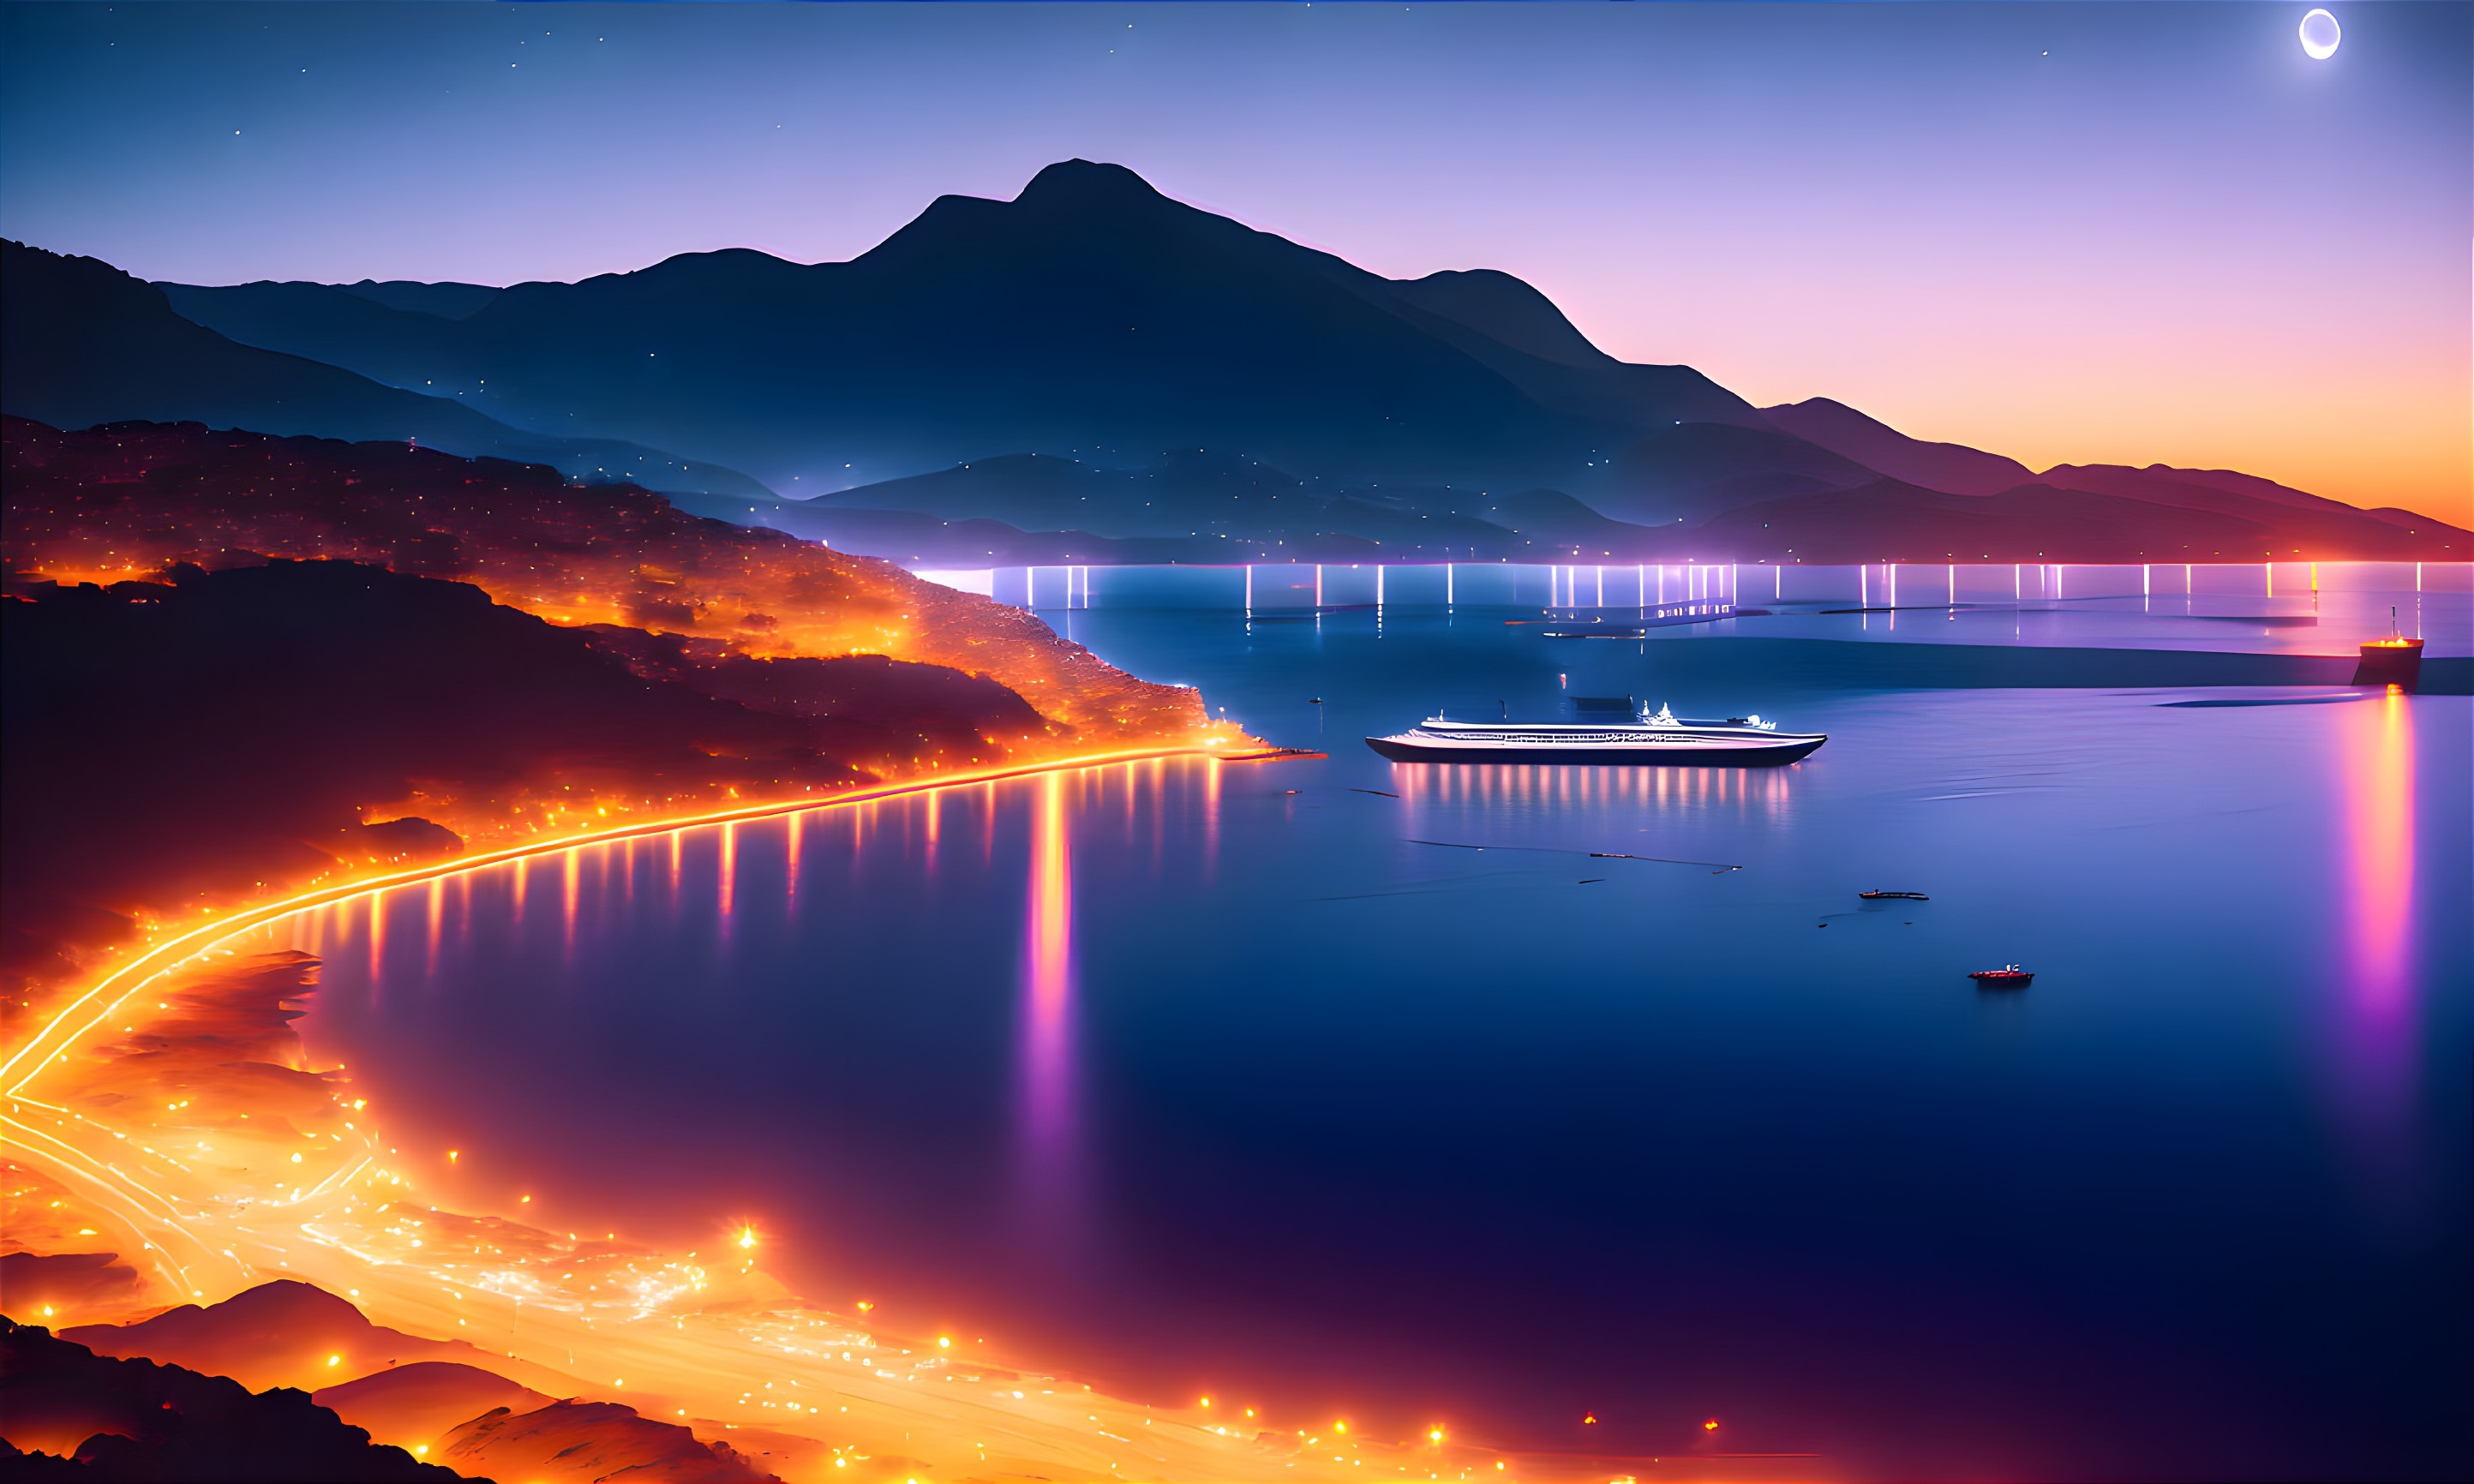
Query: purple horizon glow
[2070, 233]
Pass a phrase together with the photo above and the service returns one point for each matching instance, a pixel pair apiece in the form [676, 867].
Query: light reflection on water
[1253, 1078]
[2377, 1068]
[2293, 607]
[1048, 1175]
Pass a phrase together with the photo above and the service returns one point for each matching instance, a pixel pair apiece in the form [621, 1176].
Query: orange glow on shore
[84, 1012]
[109, 508]
[236, 1190]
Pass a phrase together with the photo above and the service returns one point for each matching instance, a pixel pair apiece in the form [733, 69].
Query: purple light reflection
[2375, 1050]
[1050, 1169]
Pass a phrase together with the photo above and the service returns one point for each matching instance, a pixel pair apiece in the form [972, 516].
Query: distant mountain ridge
[1090, 315]
[445, 301]
[1953, 468]
[86, 343]
[1054, 373]
[1956, 469]
[1042, 510]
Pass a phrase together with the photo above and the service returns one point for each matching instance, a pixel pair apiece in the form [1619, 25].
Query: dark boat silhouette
[1894, 897]
[2008, 976]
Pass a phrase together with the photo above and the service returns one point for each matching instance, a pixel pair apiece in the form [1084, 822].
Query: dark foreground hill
[74, 1414]
[122, 501]
[174, 742]
[232, 663]
[153, 1401]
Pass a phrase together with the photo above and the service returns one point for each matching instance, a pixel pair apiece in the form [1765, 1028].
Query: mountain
[1890, 520]
[1505, 309]
[1956, 468]
[1695, 471]
[447, 301]
[133, 499]
[1092, 372]
[1748, 495]
[1089, 316]
[1952, 468]
[1192, 506]
[42, 1284]
[592, 1443]
[1187, 491]
[641, 659]
[421, 1403]
[279, 1334]
[135, 1419]
[2219, 490]
[86, 343]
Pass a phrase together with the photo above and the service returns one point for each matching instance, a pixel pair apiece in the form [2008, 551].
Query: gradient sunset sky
[2076, 233]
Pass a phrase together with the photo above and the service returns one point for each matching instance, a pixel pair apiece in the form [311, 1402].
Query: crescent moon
[2320, 35]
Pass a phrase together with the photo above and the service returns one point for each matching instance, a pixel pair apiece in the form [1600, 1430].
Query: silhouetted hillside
[1090, 315]
[1094, 321]
[447, 301]
[1958, 470]
[590, 1442]
[133, 1420]
[1949, 467]
[1187, 493]
[169, 744]
[278, 1333]
[2219, 490]
[1043, 510]
[1503, 308]
[86, 343]
[410, 1405]
[1891, 520]
[126, 500]
[1695, 471]
[180, 735]
[1192, 506]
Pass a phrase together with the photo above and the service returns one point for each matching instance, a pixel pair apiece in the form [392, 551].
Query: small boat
[1641, 736]
[1894, 897]
[2008, 976]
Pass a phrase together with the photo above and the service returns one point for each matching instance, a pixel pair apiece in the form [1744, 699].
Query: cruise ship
[1649, 738]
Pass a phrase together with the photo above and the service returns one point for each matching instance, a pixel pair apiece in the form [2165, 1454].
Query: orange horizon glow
[2389, 437]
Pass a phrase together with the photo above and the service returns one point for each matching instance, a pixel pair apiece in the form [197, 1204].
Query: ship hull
[1646, 754]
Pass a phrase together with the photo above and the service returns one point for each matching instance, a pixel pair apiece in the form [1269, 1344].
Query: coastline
[204, 938]
[704, 1339]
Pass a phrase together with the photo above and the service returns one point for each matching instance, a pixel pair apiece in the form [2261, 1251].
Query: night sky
[2072, 233]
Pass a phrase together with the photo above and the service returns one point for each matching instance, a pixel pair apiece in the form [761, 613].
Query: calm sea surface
[1504, 1096]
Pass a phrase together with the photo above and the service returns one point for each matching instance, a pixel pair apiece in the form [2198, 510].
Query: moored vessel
[2396, 661]
[2008, 976]
[1649, 738]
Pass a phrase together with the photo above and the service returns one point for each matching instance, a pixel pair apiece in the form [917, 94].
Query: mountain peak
[1952, 468]
[1084, 183]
